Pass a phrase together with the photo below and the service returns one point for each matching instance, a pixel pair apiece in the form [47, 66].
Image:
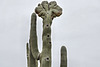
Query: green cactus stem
[63, 57]
[33, 37]
[33, 53]
[47, 11]
[27, 47]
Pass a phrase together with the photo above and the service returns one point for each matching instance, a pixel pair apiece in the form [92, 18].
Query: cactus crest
[47, 11]
[44, 9]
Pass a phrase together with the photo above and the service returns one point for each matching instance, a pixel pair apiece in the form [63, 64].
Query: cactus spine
[47, 11]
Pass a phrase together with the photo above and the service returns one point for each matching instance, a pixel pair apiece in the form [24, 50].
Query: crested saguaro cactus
[47, 11]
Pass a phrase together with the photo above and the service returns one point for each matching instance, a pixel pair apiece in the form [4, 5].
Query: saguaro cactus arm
[32, 47]
[27, 48]
[63, 57]
[33, 37]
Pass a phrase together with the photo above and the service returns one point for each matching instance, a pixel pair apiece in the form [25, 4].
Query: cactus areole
[47, 11]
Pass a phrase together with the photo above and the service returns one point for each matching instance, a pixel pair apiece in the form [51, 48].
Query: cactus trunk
[45, 57]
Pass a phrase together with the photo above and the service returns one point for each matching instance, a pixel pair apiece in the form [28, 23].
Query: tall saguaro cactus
[47, 11]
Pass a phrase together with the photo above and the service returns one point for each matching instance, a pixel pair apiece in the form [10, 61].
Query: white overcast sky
[78, 28]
